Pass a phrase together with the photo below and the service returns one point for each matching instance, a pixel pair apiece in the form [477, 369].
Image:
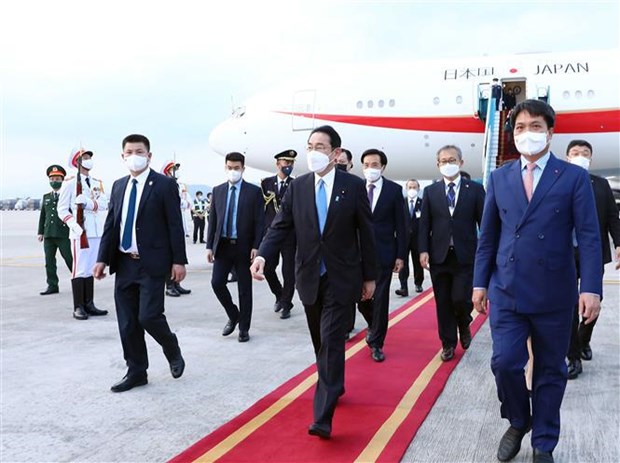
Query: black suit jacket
[159, 226]
[412, 223]
[250, 216]
[347, 244]
[269, 185]
[607, 213]
[436, 225]
[389, 224]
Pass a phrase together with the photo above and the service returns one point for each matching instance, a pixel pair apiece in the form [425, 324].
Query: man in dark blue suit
[579, 152]
[143, 242]
[388, 220]
[235, 230]
[413, 210]
[335, 263]
[451, 214]
[526, 268]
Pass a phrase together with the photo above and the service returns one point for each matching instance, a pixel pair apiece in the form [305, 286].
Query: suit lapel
[120, 198]
[552, 172]
[381, 199]
[336, 192]
[462, 196]
[308, 187]
[146, 191]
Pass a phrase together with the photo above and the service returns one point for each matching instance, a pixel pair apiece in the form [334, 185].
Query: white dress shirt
[328, 178]
[457, 189]
[139, 189]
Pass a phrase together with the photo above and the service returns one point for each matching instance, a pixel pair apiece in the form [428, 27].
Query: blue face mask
[286, 170]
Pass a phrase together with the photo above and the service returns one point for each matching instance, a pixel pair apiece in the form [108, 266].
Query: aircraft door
[302, 114]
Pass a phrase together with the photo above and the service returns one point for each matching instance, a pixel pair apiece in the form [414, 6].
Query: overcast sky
[89, 73]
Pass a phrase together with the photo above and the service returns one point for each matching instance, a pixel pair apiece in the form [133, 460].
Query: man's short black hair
[574, 143]
[137, 138]
[372, 151]
[198, 193]
[535, 108]
[348, 153]
[334, 138]
[236, 157]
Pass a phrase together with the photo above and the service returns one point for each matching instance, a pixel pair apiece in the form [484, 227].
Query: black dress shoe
[447, 354]
[542, 457]
[377, 354]
[177, 366]
[586, 352]
[324, 431]
[418, 288]
[49, 290]
[244, 336]
[286, 313]
[368, 335]
[79, 313]
[403, 292]
[229, 328]
[510, 444]
[92, 310]
[129, 382]
[574, 369]
[172, 291]
[181, 290]
[465, 337]
[277, 306]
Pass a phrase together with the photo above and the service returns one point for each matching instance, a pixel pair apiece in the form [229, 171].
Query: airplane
[410, 110]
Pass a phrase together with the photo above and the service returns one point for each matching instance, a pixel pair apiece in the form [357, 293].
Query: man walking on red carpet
[335, 262]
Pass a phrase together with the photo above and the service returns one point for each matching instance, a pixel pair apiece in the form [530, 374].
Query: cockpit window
[238, 112]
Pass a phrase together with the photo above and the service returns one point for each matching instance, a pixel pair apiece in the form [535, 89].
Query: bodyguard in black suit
[451, 215]
[413, 210]
[335, 264]
[235, 230]
[579, 152]
[388, 220]
[143, 242]
[274, 189]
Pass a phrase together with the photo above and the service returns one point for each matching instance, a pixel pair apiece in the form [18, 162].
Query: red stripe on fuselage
[569, 122]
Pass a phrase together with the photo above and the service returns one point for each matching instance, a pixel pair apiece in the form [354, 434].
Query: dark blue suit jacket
[250, 217]
[347, 244]
[388, 222]
[159, 226]
[436, 225]
[525, 252]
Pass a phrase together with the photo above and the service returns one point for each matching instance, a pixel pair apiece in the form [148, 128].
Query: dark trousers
[139, 300]
[452, 285]
[231, 256]
[326, 320]
[50, 246]
[418, 271]
[282, 291]
[199, 228]
[376, 310]
[351, 320]
[550, 336]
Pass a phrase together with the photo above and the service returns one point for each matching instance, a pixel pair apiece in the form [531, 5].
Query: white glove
[75, 230]
[81, 199]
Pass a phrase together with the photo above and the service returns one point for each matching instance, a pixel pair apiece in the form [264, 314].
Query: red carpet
[384, 405]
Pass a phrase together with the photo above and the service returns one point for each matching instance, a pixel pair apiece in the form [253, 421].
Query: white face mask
[371, 174]
[449, 170]
[317, 161]
[580, 161]
[233, 175]
[87, 164]
[412, 194]
[531, 143]
[136, 163]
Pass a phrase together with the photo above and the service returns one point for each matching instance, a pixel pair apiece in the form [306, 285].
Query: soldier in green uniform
[52, 231]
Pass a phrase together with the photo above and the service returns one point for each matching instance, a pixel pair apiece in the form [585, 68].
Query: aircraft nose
[225, 137]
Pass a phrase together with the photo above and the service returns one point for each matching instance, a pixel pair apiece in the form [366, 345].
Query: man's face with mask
[285, 167]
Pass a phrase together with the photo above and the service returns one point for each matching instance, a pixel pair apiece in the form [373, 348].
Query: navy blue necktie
[411, 208]
[231, 212]
[87, 181]
[131, 211]
[451, 195]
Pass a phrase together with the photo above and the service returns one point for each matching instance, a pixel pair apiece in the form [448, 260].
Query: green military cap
[55, 170]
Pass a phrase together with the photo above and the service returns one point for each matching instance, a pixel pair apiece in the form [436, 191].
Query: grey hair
[451, 147]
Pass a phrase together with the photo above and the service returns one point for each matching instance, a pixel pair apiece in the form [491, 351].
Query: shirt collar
[378, 184]
[328, 178]
[541, 163]
[142, 177]
[238, 184]
[456, 181]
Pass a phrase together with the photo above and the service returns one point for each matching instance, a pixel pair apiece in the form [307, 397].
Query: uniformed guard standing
[274, 189]
[199, 212]
[169, 169]
[78, 208]
[52, 231]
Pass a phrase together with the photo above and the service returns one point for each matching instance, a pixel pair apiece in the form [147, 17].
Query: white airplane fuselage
[410, 110]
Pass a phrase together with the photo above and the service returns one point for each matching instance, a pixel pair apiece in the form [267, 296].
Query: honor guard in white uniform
[78, 208]
[169, 169]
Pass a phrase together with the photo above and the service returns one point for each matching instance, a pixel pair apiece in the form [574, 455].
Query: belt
[228, 240]
[132, 255]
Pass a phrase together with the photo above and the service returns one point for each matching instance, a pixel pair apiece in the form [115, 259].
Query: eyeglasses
[443, 162]
[319, 147]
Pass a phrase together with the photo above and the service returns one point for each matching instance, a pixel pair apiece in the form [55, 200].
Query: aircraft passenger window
[590, 93]
[360, 105]
[578, 94]
[370, 104]
[392, 103]
[566, 94]
[436, 100]
[459, 99]
[381, 103]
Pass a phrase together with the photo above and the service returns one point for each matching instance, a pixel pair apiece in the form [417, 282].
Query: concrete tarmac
[56, 374]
